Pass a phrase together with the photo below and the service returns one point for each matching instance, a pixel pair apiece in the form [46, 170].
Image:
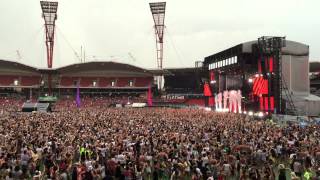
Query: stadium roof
[11, 67]
[105, 68]
[314, 66]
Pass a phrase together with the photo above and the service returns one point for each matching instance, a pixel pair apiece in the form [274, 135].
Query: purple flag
[78, 100]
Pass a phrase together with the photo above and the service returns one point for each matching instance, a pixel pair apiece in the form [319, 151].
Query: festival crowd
[152, 144]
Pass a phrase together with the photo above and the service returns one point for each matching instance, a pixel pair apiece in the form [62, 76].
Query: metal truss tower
[270, 46]
[49, 14]
[158, 10]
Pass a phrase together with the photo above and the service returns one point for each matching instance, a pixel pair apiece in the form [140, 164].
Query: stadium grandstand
[183, 86]
[93, 77]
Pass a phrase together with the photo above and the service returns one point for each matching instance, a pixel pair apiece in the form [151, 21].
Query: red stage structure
[49, 14]
[158, 10]
[255, 68]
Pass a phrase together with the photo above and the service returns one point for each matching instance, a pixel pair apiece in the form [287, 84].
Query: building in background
[94, 78]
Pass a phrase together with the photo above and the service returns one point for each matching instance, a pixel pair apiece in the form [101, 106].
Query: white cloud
[110, 29]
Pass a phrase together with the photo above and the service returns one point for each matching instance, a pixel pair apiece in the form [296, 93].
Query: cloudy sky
[122, 30]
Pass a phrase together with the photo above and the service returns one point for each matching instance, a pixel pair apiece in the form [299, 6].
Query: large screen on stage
[227, 82]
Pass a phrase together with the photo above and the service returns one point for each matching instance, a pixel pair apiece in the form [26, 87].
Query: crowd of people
[11, 103]
[153, 143]
[97, 101]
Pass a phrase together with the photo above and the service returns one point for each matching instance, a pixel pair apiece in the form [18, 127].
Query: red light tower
[158, 10]
[49, 14]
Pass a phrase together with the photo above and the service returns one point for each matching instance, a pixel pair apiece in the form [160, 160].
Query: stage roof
[292, 48]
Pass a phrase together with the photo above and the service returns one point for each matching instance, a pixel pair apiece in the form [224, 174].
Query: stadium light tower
[158, 10]
[49, 14]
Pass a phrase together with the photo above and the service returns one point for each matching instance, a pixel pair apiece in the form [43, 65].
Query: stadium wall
[295, 71]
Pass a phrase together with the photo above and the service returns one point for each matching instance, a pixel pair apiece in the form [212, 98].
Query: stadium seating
[7, 80]
[87, 81]
[123, 82]
[106, 82]
[30, 81]
[11, 103]
[143, 81]
[68, 81]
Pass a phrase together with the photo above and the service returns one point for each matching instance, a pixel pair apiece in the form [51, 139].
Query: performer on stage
[232, 101]
[216, 100]
[220, 100]
[239, 97]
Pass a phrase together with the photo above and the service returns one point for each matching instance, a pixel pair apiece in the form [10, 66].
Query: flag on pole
[78, 100]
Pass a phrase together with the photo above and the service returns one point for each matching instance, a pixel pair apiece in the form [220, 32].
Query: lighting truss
[158, 13]
[270, 46]
[49, 14]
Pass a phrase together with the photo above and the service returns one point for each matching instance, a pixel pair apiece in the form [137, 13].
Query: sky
[122, 30]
